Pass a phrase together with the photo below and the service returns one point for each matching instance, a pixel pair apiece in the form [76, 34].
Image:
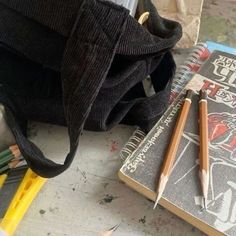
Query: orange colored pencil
[173, 146]
[203, 138]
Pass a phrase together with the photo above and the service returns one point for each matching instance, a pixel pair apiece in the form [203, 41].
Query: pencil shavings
[110, 231]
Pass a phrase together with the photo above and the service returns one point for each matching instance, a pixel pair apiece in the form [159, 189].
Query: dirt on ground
[218, 21]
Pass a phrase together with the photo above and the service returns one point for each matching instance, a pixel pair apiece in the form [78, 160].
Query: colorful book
[182, 195]
[211, 46]
[131, 5]
[193, 62]
[184, 73]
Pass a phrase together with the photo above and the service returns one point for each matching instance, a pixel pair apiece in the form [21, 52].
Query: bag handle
[87, 59]
[33, 155]
[82, 78]
[47, 168]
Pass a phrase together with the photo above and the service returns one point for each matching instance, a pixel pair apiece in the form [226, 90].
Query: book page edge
[209, 230]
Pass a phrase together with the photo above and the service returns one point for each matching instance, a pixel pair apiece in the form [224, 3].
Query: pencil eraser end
[189, 94]
[203, 94]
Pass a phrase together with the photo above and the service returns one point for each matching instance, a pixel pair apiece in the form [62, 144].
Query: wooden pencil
[9, 166]
[173, 146]
[7, 158]
[203, 142]
[8, 151]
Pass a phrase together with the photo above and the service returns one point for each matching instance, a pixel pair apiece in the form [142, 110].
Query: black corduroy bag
[81, 63]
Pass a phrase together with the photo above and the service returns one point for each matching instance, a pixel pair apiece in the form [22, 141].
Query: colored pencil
[8, 151]
[173, 146]
[9, 166]
[4, 160]
[203, 139]
[8, 160]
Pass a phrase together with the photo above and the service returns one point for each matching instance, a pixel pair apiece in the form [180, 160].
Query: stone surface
[89, 198]
[218, 22]
[187, 13]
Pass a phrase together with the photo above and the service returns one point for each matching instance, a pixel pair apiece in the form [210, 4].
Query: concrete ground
[218, 22]
[89, 198]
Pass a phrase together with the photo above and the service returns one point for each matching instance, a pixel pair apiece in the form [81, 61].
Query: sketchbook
[183, 195]
[183, 75]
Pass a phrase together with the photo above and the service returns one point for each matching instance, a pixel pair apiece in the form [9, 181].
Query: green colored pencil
[8, 151]
[9, 166]
[4, 168]
[6, 159]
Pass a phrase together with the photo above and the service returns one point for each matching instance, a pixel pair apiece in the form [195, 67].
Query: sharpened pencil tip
[157, 200]
[155, 205]
[205, 203]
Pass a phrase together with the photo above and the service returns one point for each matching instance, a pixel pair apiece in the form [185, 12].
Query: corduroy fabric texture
[81, 64]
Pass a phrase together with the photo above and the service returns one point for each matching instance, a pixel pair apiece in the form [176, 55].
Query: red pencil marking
[114, 146]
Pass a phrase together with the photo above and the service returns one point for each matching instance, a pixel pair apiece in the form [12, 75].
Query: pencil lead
[205, 203]
[157, 200]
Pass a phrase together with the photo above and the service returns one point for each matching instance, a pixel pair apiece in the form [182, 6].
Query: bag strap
[149, 109]
[87, 59]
